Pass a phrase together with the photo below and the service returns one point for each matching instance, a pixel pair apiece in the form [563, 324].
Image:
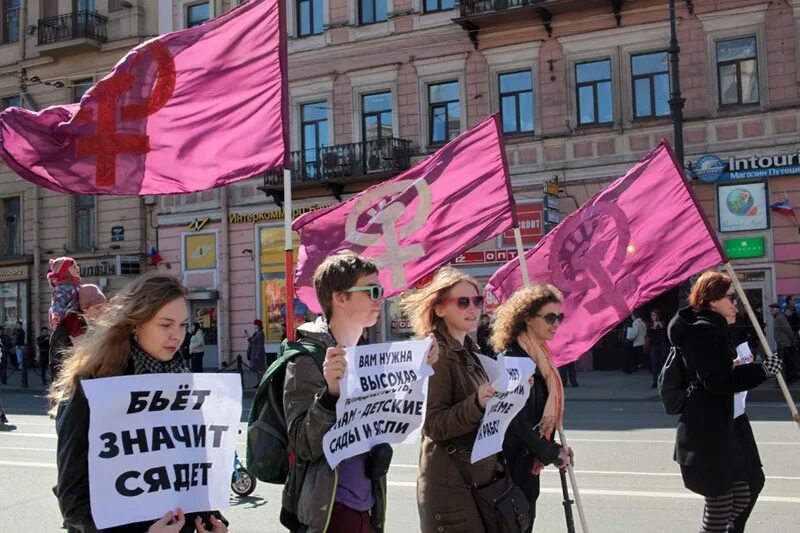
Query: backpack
[268, 456]
[674, 386]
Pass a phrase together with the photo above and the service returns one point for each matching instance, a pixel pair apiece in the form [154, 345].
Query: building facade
[583, 89]
[51, 52]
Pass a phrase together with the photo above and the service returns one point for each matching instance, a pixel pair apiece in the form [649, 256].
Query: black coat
[72, 456]
[712, 450]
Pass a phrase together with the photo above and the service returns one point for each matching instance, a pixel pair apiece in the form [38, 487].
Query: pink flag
[641, 236]
[420, 220]
[186, 111]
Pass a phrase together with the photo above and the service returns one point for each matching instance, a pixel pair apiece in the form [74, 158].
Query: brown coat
[444, 500]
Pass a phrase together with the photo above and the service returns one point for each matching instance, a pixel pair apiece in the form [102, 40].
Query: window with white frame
[314, 131]
[650, 80]
[79, 88]
[516, 101]
[737, 71]
[309, 17]
[594, 92]
[10, 245]
[83, 222]
[371, 11]
[444, 111]
[376, 116]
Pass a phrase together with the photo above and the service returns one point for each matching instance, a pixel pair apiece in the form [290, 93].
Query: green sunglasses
[375, 291]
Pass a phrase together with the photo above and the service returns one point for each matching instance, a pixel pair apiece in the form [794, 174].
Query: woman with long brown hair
[139, 333]
[524, 324]
[717, 453]
[450, 307]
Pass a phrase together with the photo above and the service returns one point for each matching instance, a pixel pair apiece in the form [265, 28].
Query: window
[197, 14]
[84, 222]
[432, 6]
[376, 116]
[128, 265]
[650, 75]
[737, 71]
[115, 5]
[11, 101]
[371, 11]
[79, 88]
[314, 128]
[516, 101]
[309, 17]
[594, 92]
[10, 21]
[444, 112]
[10, 245]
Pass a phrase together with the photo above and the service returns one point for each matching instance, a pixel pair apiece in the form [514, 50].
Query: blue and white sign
[712, 169]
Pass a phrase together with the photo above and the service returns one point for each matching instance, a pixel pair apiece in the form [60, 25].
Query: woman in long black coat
[717, 454]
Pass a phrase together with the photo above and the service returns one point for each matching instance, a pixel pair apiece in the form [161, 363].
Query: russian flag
[784, 208]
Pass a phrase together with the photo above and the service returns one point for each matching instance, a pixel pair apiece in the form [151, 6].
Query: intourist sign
[711, 169]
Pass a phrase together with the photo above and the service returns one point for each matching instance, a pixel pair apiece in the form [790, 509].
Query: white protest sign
[745, 356]
[510, 378]
[382, 398]
[160, 441]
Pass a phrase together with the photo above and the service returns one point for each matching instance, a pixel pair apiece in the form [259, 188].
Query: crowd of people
[143, 329]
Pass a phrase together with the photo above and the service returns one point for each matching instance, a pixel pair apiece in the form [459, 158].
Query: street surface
[624, 469]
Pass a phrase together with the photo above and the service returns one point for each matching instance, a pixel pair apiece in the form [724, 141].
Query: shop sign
[530, 225]
[198, 224]
[100, 270]
[744, 248]
[268, 216]
[14, 273]
[485, 256]
[117, 233]
[711, 169]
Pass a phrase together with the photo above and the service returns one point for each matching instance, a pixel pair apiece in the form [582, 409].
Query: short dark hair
[338, 273]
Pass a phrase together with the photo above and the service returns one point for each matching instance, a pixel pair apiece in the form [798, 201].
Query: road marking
[21, 463]
[654, 441]
[37, 435]
[629, 493]
[28, 449]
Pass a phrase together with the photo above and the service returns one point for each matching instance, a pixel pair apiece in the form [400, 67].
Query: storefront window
[13, 302]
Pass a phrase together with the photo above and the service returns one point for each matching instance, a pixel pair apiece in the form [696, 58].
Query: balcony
[476, 15]
[341, 164]
[82, 30]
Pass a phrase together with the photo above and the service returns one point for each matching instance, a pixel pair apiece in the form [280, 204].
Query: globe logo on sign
[709, 168]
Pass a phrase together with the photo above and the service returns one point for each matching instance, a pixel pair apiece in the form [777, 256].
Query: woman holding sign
[450, 307]
[714, 447]
[139, 333]
[524, 324]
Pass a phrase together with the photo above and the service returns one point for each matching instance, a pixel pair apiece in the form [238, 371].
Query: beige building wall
[45, 69]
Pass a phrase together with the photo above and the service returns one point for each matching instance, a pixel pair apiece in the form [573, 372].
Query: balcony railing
[470, 8]
[78, 25]
[345, 162]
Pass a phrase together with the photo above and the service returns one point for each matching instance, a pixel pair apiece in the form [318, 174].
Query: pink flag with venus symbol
[415, 223]
[641, 236]
[183, 112]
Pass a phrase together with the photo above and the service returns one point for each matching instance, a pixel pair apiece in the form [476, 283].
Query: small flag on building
[784, 207]
[155, 257]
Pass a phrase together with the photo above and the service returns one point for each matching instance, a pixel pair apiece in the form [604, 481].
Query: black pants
[635, 355]
[529, 484]
[44, 364]
[658, 356]
[197, 362]
[789, 363]
[568, 373]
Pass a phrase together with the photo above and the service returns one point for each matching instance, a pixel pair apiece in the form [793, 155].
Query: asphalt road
[624, 469]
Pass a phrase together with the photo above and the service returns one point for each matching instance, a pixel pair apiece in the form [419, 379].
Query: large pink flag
[641, 236]
[420, 220]
[186, 111]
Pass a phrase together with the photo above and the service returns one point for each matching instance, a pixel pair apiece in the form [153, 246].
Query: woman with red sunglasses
[524, 324]
[450, 307]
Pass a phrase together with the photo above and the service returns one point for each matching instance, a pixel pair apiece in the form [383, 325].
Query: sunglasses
[732, 297]
[462, 302]
[375, 291]
[552, 318]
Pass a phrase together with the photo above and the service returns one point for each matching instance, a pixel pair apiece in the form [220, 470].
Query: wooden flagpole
[561, 435]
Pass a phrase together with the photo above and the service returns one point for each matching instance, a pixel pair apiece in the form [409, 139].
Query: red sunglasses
[463, 301]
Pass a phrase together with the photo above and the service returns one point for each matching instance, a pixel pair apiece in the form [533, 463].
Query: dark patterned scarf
[144, 363]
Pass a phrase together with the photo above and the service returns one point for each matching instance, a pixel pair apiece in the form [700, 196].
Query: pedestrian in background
[525, 323]
[785, 340]
[659, 344]
[140, 333]
[484, 336]
[450, 307]
[20, 344]
[43, 343]
[255, 349]
[197, 347]
[717, 454]
[635, 335]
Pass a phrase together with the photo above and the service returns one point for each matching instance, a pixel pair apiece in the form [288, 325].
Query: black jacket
[72, 426]
[706, 436]
[19, 337]
[522, 443]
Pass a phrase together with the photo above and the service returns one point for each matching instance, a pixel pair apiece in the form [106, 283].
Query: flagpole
[561, 435]
[764, 344]
[287, 238]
